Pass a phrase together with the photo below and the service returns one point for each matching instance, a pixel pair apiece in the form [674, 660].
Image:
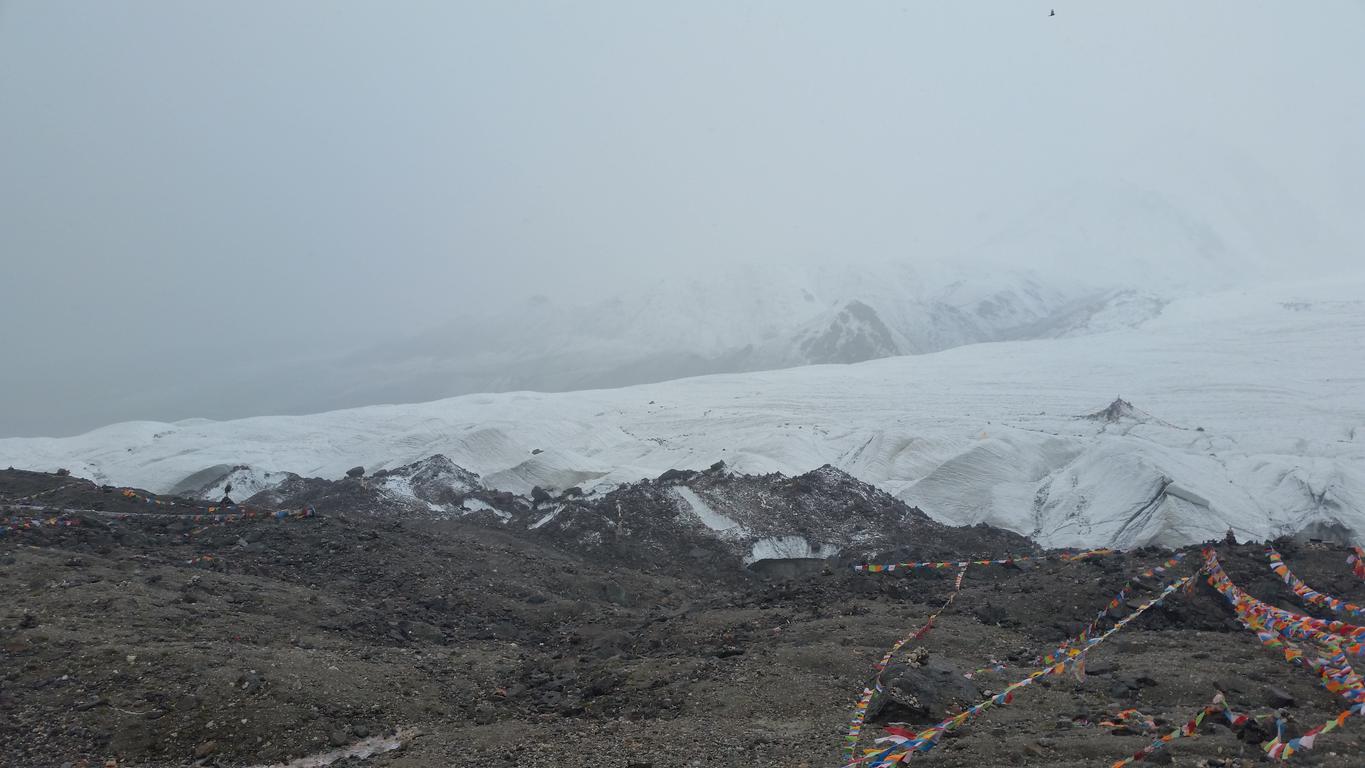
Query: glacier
[1248, 413]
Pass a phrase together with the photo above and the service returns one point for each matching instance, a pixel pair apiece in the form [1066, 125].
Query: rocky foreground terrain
[146, 637]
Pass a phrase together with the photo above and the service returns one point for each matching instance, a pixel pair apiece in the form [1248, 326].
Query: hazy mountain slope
[1251, 417]
[741, 318]
[1095, 255]
[1091, 256]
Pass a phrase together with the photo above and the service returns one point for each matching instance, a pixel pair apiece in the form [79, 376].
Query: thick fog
[189, 191]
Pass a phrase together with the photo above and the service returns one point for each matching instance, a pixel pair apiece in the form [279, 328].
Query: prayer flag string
[860, 707]
[904, 745]
[1277, 629]
[1307, 593]
[1357, 562]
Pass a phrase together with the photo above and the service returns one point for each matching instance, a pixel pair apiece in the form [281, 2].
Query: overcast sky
[183, 183]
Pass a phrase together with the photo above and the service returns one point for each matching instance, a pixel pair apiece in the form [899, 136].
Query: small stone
[205, 749]
[338, 738]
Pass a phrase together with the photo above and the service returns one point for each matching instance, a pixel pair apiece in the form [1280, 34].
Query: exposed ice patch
[478, 505]
[547, 518]
[788, 548]
[708, 516]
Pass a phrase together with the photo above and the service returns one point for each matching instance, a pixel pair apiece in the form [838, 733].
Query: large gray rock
[919, 688]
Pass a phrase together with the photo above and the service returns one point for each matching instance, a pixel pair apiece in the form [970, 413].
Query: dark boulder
[677, 475]
[921, 689]
[1278, 697]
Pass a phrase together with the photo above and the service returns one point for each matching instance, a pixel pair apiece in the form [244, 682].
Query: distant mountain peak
[1117, 411]
[856, 333]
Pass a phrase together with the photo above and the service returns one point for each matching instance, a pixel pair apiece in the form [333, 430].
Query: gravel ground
[119, 640]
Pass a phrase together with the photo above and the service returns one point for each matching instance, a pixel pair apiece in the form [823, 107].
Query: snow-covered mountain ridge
[1248, 414]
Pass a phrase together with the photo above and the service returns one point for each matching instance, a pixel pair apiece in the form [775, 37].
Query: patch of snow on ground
[395, 485]
[398, 486]
[365, 748]
[246, 482]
